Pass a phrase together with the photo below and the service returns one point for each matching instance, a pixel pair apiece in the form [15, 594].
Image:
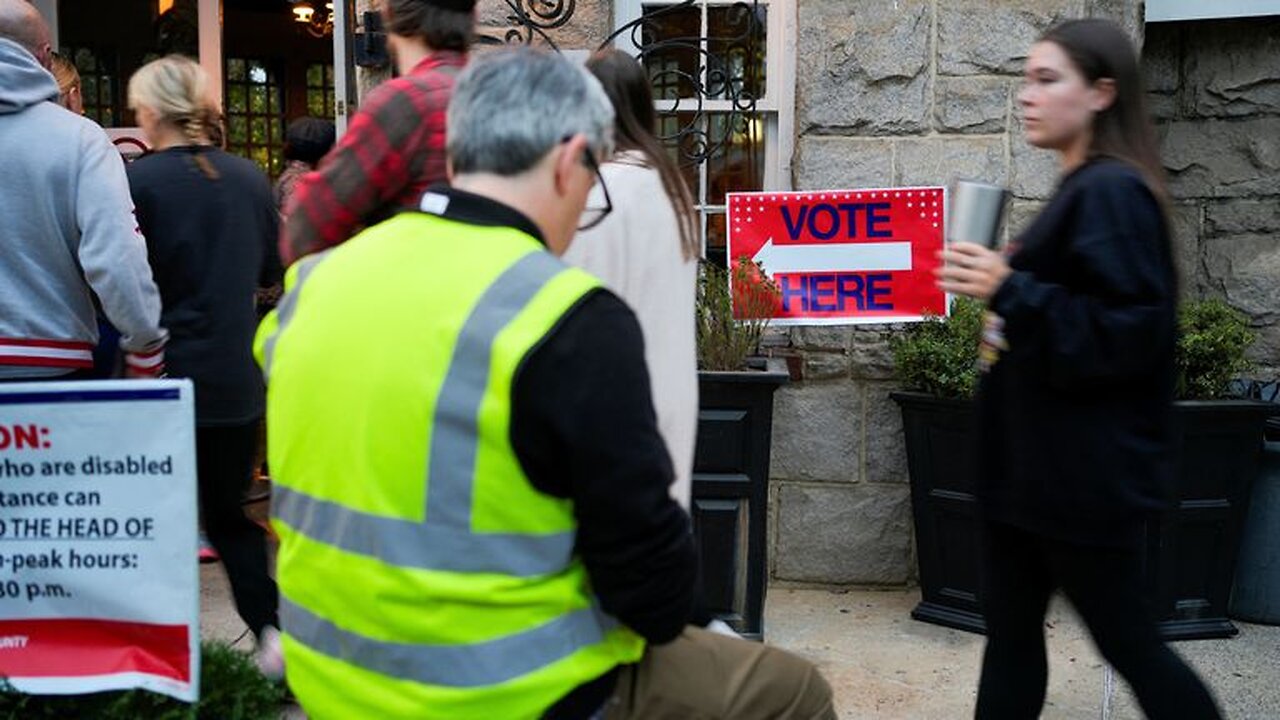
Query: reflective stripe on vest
[288, 305]
[414, 544]
[474, 665]
[443, 540]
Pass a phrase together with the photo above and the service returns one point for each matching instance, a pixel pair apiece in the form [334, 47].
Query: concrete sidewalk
[886, 666]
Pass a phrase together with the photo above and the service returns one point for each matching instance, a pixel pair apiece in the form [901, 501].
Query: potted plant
[735, 426]
[936, 361]
[1191, 545]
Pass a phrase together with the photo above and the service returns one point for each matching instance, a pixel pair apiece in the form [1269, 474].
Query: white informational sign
[99, 586]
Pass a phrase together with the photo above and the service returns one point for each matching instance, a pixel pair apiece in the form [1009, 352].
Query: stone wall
[1215, 89]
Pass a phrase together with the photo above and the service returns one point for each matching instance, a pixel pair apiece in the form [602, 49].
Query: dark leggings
[224, 458]
[1105, 586]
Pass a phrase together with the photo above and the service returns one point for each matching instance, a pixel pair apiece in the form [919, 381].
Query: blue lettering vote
[824, 220]
[834, 292]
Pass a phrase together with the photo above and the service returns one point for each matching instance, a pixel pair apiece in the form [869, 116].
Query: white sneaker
[269, 656]
[721, 627]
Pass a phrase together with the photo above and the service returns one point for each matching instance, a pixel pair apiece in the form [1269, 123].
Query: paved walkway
[885, 666]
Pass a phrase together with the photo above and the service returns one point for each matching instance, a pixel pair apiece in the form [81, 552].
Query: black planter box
[1191, 547]
[731, 493]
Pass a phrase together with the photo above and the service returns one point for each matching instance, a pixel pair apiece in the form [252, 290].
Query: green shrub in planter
[1212, 340]
[939, 355]
[231, 688]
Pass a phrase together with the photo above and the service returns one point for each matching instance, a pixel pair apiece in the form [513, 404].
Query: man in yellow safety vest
[471, 489]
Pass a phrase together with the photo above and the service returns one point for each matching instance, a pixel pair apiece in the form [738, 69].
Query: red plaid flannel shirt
[393, 149]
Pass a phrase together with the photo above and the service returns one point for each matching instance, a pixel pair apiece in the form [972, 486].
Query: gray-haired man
[471, 488]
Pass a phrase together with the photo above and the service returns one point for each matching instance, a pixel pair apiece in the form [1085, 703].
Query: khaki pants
[704, 676]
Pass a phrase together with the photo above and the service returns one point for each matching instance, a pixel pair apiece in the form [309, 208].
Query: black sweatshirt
[1075, 417]
[211, 243]
[583, 427]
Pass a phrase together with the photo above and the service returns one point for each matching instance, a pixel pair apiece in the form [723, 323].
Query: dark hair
[441, 24]
[625, 82]
[308, 139]
[1100, 49]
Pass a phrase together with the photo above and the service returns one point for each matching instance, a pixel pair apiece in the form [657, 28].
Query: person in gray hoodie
[68, 229]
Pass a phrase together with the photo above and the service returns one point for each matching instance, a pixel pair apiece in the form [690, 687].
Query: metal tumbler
[976, 211]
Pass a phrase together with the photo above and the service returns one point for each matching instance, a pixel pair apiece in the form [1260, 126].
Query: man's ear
[1104, 94]
[569, 156]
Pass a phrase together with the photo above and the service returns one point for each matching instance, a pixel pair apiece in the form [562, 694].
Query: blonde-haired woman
[68, 77]
[210, 224]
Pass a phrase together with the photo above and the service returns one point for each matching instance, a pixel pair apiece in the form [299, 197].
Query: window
[97, 85]
[320, 96]
[723, 95]
[254, 117]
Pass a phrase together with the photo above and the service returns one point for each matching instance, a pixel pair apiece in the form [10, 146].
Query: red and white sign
[98, 578]
[842, 257]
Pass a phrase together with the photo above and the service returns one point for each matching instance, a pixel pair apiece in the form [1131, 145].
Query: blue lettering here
[822, 286]
[836, 292]
[875, 291]
[789, 293]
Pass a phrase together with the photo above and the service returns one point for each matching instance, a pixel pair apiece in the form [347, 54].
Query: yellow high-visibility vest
[421, 574]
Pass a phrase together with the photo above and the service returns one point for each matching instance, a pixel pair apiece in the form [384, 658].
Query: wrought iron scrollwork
[533, 18]
[726, 69]
[722, 67]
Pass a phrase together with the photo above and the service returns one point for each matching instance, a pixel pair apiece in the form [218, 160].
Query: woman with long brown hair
[1075, 405]
[646, 250]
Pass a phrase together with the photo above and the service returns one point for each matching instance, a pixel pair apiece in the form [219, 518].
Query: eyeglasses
[595, 212]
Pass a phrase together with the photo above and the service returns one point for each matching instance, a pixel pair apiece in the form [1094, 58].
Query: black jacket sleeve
[584, 428]
[1117, 317]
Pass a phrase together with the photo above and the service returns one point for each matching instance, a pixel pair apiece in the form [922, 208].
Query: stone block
[1033, 172]
[1245, 271]
[821, 337]
[866, 70]
[870, 355]
[1020, 215]
[1265, 352]
[1125, 13]
[971, 104]
[825, 366]
[1161, 58]
[1218, 158]
[1185, 224]
[775, 337]
[817, 432]
[1232, 68]
[978, 37]
[859, 534]
[885, 448]
[835, 163]
[1161, 69]
[940, 160]
[1236, 217]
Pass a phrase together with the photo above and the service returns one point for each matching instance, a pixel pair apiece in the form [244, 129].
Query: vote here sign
[98, 576]
[844, 256]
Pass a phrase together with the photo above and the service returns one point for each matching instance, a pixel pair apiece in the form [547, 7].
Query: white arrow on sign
[836, 257]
